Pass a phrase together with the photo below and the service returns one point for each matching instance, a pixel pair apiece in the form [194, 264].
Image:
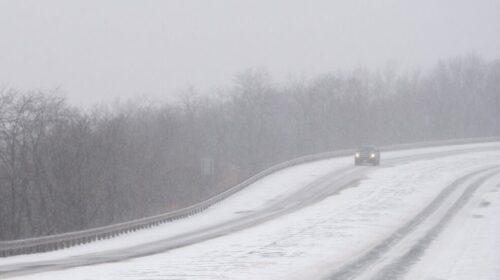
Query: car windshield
[367, 148]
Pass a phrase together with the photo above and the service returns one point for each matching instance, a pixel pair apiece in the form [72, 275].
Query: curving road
[387, 258]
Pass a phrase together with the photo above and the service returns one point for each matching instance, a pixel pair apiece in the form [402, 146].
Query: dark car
[367, 154]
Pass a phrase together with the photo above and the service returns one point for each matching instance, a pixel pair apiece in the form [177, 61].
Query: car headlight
[357, 154]
[372, 155]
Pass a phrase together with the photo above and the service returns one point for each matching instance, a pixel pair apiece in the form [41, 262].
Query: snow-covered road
[469, 248]
[315, 221]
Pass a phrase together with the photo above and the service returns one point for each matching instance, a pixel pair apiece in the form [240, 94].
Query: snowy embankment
[251, 199]
[307, 244]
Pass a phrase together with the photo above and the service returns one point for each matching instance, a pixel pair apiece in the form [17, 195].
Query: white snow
[307, 244]
[470, 247]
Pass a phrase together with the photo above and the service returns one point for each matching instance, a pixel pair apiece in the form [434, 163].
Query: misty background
[241, 86]
[95, 51]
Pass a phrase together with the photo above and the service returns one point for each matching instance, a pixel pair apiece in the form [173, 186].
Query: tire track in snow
[397, 268]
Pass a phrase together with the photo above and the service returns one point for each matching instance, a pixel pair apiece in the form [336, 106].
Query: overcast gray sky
[99, 50]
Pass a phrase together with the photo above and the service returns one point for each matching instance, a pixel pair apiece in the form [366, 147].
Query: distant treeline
[65, 169]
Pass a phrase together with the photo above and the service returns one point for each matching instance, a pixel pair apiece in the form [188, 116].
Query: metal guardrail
[70, 239]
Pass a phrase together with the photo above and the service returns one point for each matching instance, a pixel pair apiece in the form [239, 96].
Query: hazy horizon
[96, 51]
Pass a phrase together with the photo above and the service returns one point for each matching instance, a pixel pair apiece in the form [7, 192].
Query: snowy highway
[321, 220]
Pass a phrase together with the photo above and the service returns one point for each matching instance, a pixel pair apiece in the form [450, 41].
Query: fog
[64, 169]
[95, 51]
[296, 78]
